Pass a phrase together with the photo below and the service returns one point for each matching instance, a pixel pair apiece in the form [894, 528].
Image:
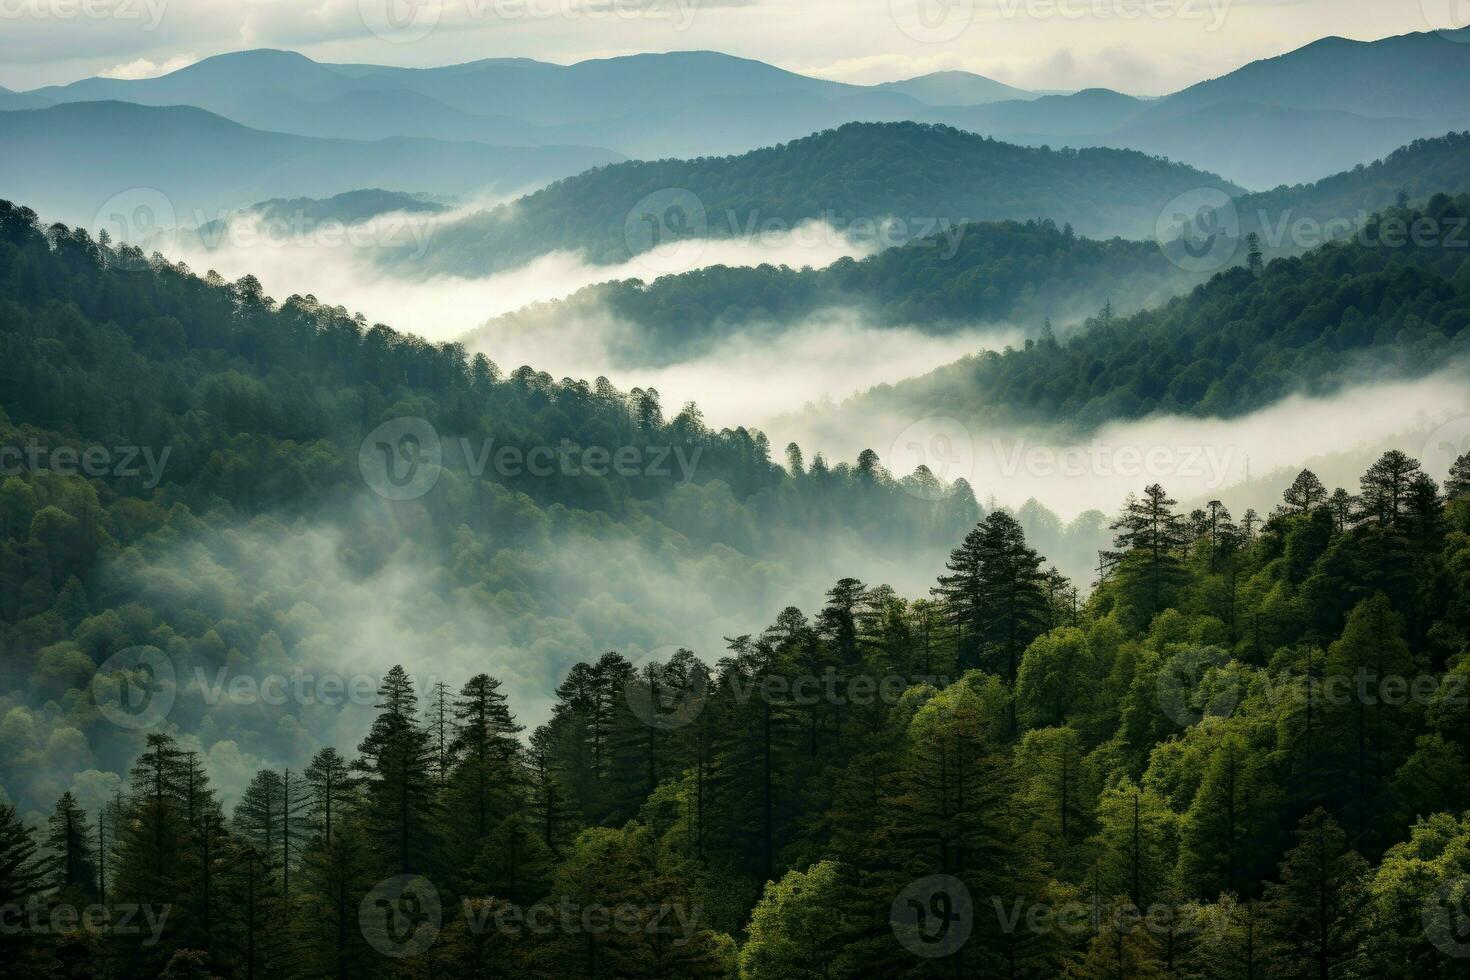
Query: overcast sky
[1139, 46]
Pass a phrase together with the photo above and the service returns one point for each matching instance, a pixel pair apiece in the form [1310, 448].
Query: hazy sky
[1139, 46]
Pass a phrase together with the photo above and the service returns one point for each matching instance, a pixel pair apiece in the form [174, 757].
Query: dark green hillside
[1239, 342]
[1005, 272]
[1253, 730]
[917, 174]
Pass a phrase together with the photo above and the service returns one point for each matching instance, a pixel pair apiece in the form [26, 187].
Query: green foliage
[859, 172]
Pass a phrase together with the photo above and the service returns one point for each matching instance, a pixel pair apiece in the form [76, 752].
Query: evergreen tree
[22, 874]
[1316, 914]
[73, 873]
[1458, 484]
[396, 764]
[1306, 493]
[1150, 542]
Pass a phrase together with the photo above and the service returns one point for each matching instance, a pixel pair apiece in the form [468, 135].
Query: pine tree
[73, 873]
[1341, 503]
[1458, 484]
[1385, 490]
[1151, 538]
[1138, 839]
[396, 762]
[331, 790]
[1254, 260]
[1012, 593]
[750, 785]
[22, 874]
[1370, 731]
[1221, 837]
[1306, 493]
[484, 777]
[1317, 914]
[549, 798]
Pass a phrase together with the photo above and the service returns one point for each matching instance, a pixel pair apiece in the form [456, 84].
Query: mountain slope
[78, 156]
[635, 103]
[1264, 146]
[984, 273]
[1089, 111]
[1424, 76]
[1322, 108]
[1238, 343]
[955, 88]
[920, 175]
[10, 101]
[1419, 170]
[1005, 273]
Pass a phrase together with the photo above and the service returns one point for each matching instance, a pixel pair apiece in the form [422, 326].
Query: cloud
[143, 68]
[1194, 458]
[325, 262]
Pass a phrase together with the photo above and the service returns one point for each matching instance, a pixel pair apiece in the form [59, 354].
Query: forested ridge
[1012, 272]
[230, 498]
[916, 173]
[993, 272]
[1391, 300]
[1244, 755]
[1021, 758]
[1421, 169]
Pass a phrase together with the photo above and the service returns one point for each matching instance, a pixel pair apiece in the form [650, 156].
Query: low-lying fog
[1194, 458]
[343, 266]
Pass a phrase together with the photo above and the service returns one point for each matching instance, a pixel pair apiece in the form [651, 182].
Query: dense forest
[1395, 300]
[1244, 755]
[1241, 752]
[994, 272]
[1421, 169]
[232, 494]
[1009, 272]
[854, 176]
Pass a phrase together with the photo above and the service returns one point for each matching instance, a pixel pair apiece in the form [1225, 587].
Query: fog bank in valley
[370, 267]
[1236, 459]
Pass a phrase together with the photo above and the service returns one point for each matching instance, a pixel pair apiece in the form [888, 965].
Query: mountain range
[884, 182]
[74, 158]
[980, 273]
[1282, 120]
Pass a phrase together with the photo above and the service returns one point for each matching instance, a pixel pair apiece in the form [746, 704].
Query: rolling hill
[989, 273]
[1288, 119]
[924, 177]
[77, 157]
[955, 88]
[1238, 343]
[1009, 273]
